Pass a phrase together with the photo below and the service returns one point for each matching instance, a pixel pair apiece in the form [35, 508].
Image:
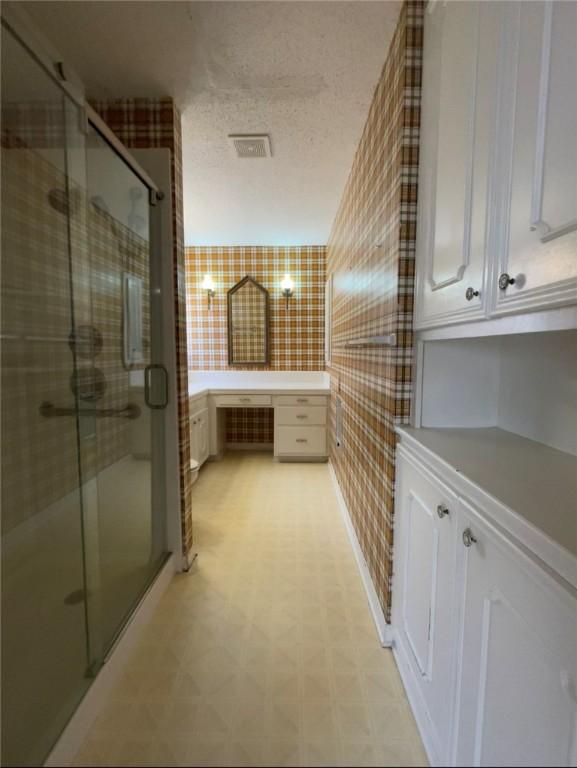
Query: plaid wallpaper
[370, 256]
[296, 336]
[146, 123]
[39, 460]
[249, 425]
[39, 455]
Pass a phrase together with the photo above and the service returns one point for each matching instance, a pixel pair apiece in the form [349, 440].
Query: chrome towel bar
[389, 340]
[130, 411]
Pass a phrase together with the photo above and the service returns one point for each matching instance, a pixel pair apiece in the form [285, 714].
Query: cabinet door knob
[468, 538]
[442, 511]
[505, 280]
[470, 293]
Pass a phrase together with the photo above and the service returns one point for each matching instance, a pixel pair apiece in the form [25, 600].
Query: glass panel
[130, 541]
[44, 640]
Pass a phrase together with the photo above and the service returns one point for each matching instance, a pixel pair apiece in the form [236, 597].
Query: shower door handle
[156, 386]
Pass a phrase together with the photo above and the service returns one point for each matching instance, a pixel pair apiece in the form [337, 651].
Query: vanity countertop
[269, 382]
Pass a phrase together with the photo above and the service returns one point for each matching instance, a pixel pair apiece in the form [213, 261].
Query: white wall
[538, 388]
[523, 383]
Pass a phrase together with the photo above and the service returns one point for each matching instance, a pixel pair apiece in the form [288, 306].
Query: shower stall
[83, 398]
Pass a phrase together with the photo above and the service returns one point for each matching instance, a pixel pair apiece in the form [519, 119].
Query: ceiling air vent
[251, 144]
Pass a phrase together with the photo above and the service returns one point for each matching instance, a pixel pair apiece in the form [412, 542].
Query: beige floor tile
[282, 752]
[361, 753]
[323, 752]
[396, 753]
[246, 752]
[266, 652]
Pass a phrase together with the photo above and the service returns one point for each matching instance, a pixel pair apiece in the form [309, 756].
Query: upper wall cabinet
[538, 242]
[458, 115]
[498, 167]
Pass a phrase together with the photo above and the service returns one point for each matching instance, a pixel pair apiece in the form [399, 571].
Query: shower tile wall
[36, 356]
[148, 123]
[370, 256]
[33, 369]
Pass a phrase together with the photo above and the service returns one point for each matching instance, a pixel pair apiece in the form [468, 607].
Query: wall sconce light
[287, 287]
[208, 286]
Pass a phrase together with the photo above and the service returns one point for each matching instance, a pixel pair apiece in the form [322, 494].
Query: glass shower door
[123, 436]
[44, 638]
[83, 395]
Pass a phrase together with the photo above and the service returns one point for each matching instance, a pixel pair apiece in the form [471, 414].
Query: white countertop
[273, 382]
[537, 483]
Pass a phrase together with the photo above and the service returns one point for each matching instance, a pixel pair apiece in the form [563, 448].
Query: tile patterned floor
[266, 654]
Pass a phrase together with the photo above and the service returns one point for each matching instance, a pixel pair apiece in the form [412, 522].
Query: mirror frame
[229, 297]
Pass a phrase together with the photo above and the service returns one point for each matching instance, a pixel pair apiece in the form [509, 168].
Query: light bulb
[208, 283]
[287, 284]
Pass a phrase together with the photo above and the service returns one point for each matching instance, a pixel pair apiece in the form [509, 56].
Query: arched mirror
[248, 320]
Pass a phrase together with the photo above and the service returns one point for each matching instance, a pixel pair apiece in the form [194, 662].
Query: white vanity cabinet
[199, 430]
[298, 399]
[485, 631]
[300, 427]
[517, 681]
[538, 157]
[497, 209]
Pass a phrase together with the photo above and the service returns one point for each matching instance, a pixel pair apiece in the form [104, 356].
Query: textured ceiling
[302, 71]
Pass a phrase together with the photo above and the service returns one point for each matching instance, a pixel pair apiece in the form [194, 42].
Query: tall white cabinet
[484, 591]
[497, 229]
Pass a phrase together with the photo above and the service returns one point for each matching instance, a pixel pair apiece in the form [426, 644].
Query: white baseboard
[424, 725]
[384, 630]
[68, 744]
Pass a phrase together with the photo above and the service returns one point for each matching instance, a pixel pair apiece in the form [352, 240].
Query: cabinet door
[517, 687]
[458, 111]
[194, 443]
[202, 436]
[538, 242]
[423, 594]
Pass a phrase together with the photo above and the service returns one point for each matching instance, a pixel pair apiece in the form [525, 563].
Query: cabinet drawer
[297, 441]
[291, 415]
[242, 400]
[300, 400]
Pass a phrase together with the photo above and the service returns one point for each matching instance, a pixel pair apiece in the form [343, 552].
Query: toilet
[194, 467]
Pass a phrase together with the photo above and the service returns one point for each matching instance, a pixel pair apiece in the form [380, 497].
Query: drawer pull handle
[468, 538]
[302, 416]
[302, 399]
[442, 511]
[302, 440]
[244, 399]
